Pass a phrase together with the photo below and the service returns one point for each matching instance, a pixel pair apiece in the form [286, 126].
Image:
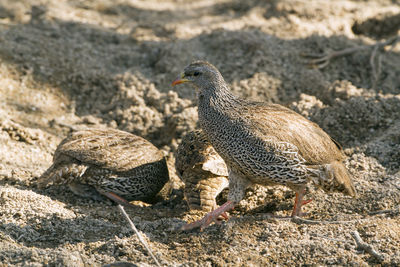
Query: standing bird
[201, 169]
[109, 162]
[263, 143]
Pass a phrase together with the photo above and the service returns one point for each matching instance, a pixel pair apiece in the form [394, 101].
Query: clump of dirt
[69, 65]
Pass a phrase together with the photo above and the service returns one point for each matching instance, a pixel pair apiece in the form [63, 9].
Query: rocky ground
[69, 65]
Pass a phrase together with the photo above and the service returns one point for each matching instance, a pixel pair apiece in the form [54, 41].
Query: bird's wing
[266, 158]
[285, 125]
[112, 149]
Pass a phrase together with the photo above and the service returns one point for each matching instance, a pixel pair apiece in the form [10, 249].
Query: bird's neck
[218, 98]
[218, 107]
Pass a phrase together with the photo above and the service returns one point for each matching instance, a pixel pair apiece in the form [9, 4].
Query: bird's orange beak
[180, 80]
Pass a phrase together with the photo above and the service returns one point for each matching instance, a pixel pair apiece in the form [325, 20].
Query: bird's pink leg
[117, 199]
[299, 202]
[210, 217]
[225, 216]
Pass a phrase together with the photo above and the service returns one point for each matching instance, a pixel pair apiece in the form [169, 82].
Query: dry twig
[361, 245]
[299, 220]
[320, 61]
[394, 211]
[121, 208]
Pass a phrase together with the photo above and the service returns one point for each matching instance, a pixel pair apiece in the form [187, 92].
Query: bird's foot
[298, 203]
[224, 216]
[304, 202]
[297, 208]
[302, 214]
[213, 216]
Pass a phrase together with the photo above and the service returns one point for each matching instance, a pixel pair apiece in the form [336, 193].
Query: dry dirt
[67, 65]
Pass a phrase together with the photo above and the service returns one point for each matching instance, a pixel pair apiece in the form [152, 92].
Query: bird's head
[200, 74]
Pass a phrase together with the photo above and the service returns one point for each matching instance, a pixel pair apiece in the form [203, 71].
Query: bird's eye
[196, 73]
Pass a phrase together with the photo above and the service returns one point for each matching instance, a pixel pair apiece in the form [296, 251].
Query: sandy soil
[67, 65]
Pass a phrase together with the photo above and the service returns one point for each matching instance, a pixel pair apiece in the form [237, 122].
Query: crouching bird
[108, 162]
[202, 170]
[263, 143]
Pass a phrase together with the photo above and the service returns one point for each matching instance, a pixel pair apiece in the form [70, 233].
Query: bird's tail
[48, 176]
[340, 179]
[61, 174]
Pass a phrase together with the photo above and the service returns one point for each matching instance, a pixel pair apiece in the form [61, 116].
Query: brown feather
[108, 160]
